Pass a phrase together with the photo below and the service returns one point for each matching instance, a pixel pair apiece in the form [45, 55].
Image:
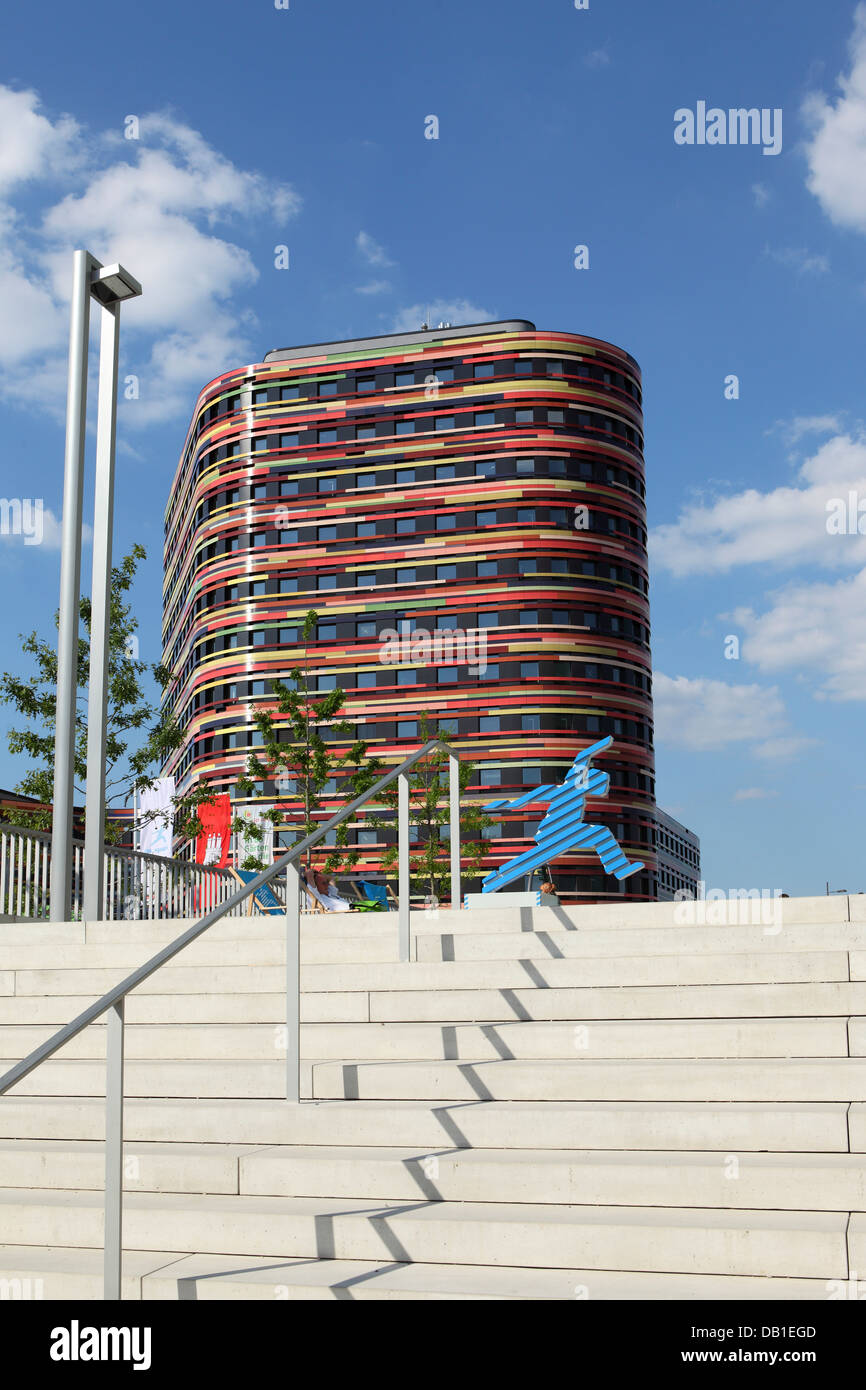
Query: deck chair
[376, 892]
[263, 898]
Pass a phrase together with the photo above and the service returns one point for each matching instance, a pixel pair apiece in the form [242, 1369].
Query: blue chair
[376, 892]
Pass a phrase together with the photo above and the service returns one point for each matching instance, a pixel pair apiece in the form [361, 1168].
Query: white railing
[135, 885]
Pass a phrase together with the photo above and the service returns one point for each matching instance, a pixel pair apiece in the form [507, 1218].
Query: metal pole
[454, 826]
[100, 616]
[403, 865]
[70, 586]
[293, 984]
[113, 1151]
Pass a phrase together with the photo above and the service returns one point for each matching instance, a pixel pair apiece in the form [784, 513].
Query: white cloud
[753, 794]
[816, 629]
[371, 250]
[154, 204]
[374, 287]
[792, 431]
[836, 152]
[702, 715]
[786, 526]
[761, 194]
[31, 147]
[597, 58]
[799, 259]
[453, 311]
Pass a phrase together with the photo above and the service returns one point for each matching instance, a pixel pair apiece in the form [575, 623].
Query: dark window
[365, 383]
[288, 489]
[531, 722]
[528, 669]
[404, 379]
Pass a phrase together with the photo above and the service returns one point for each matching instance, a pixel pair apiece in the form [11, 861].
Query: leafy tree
[429, 811]
[296, 756]
[132, 718]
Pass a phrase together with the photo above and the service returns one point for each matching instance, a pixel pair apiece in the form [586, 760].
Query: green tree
[429, 811]
[139, 736]
[295, 754]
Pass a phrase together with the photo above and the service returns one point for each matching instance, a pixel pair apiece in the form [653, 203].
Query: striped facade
[464, 508]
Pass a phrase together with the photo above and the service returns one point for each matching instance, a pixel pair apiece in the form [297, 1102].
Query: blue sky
[260, 127]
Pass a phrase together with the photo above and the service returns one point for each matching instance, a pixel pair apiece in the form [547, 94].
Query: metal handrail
[113, 1001]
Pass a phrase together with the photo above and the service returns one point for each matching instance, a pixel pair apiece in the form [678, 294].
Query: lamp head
[113, 284]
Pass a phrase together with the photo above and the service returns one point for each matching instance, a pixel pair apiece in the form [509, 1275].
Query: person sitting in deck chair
[317, 886]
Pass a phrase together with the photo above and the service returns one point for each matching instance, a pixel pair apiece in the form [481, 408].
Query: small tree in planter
[294, 753]
[429, 811]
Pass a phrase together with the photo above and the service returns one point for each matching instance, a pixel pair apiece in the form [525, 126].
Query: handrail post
[454, 826]
[403, 866]
[293, 984]
[113, 1151]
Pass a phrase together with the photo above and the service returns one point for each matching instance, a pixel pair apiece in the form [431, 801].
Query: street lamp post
[109, 286]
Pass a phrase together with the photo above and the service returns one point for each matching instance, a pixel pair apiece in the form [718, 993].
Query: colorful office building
[464, 508]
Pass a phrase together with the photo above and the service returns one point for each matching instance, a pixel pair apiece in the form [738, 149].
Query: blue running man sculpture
[563, 827]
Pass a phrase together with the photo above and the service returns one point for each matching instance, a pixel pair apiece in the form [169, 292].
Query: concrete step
[801, 1079]
[648, 1002]
[170, 1167]
[796, 1182]
[793, 1182]
[804, 1244]
[763, 1037]
[77, 1274]
[731, 1126]
[841, 1000]
[579, 1078]
[52, 1011]
[361, 942]
[705, 968]
[540, 944]
[237, 954]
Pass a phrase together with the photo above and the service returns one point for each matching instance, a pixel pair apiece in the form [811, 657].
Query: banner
[212, 845]
[155, 836]
[247, 846]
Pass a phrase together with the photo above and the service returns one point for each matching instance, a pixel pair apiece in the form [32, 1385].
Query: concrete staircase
[546, 1103]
